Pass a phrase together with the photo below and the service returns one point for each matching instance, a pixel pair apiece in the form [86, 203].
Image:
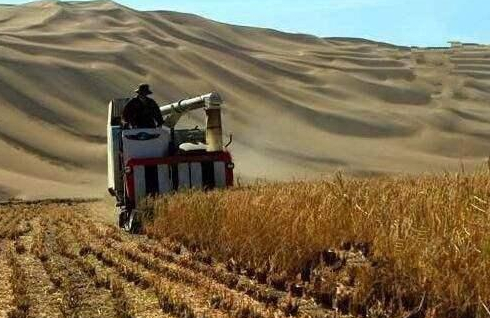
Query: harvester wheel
[119, 216]
[133, 222]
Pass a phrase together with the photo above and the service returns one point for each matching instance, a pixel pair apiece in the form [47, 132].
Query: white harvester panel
[114, 167]
[145, 143]
[114, 164]
[157, 179]
[139, 183]
[146, 182]
[184, 176]
[196, 175]
[219, 174]
[165, 184]
[192, 175]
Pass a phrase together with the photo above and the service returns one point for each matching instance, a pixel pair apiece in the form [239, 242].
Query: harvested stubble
[426, 238]
[22, 301]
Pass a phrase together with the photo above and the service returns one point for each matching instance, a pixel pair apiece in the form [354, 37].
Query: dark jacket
[139, 114]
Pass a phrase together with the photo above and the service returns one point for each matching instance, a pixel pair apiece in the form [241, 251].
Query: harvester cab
[145, 162]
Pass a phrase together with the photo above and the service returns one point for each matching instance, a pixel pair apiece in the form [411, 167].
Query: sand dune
[298, 106]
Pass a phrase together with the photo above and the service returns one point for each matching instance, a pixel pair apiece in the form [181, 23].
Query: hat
[143, 89]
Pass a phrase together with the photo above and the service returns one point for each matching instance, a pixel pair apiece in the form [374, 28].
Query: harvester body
[159, 161]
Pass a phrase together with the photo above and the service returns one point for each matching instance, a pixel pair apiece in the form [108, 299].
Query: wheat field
[408, 246]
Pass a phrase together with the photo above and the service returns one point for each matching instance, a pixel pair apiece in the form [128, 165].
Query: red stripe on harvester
[212, 156]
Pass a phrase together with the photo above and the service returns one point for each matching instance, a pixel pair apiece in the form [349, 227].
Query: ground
[66, 259]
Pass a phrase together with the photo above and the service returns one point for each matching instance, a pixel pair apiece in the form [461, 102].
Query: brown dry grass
[423, 242]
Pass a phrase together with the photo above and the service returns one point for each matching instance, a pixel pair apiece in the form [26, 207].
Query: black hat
[143, 89]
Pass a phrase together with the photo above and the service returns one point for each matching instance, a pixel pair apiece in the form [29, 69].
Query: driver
[142, 111]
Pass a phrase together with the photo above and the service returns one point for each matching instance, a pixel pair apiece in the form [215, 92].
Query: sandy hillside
[298, 106]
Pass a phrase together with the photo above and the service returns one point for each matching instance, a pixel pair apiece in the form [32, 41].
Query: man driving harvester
[142, 111]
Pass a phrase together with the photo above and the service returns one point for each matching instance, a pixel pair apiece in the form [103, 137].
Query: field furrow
[225, 289]
[141, 302]
[76, 266]
[43, 294]
[6, 295]
[129, 298]
[174, 297]
[81, 297]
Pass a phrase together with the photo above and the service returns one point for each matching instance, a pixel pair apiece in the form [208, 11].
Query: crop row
[22, 301]
[193, 272]
[145, 270]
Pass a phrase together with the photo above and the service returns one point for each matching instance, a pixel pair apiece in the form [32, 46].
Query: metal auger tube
[185, 105]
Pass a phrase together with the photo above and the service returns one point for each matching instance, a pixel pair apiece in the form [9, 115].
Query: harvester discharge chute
[143, 162]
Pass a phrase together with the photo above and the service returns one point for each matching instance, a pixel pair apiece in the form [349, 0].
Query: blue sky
[404, 22]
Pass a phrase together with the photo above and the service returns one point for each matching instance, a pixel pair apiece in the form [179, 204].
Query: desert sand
[298, 106]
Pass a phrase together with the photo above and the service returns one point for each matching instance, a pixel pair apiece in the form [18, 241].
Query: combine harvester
[143, 162]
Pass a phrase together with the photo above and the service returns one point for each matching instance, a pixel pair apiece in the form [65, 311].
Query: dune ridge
[298, 105]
